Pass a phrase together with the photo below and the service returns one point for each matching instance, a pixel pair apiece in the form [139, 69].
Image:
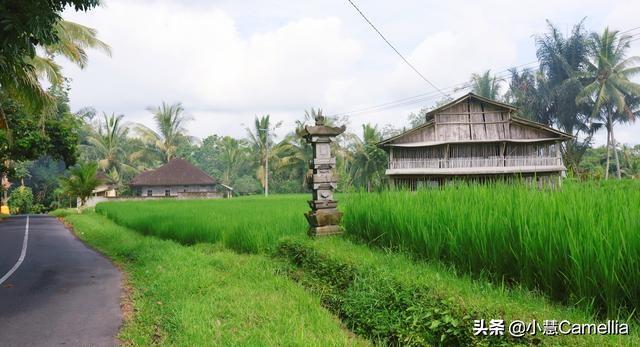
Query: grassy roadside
[206, 295]
[382, 296]
[390, 298]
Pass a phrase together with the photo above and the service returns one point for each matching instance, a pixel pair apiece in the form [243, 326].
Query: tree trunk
[615, 154]
[4, 123]
[3, 200]
[606, 171]
[79, 204]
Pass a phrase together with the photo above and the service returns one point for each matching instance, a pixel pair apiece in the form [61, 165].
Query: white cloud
[195, 55]
[228, 61]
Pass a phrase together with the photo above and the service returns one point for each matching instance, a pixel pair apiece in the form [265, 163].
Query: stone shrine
[324, 217]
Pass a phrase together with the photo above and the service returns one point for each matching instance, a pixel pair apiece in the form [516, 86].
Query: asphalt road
[62, 293]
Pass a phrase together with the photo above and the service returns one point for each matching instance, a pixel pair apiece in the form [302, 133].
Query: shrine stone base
[324, 222]
[325, 231]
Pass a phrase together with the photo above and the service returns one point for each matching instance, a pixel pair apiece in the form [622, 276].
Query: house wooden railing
[398, 163]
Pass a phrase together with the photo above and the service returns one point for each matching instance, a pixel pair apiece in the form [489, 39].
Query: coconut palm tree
[261, 140]
[368, 160]
[485, 85]
[232, 156]
[22, 83]
[631, 159]
[170, 123]
[608, 84]
[549, 96]
[107, 141]
[80, 182]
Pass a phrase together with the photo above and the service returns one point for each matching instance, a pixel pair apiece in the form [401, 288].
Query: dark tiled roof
[176, 172]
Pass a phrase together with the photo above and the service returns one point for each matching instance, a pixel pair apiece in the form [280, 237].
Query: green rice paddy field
[578, 245]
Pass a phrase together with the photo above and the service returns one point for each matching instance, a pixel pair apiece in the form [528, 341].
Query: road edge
[127, 307]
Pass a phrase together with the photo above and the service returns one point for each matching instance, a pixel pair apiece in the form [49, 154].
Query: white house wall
[159, 191]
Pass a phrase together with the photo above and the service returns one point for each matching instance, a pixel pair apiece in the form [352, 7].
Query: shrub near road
[205, 295]
[578, 244]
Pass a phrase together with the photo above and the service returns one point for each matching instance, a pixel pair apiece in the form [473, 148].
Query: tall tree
[107, 141]
[73, 41]
[232, 155]
[549, 96]
[485, 85]
[609, 86]
[261, 140]
[27, 24]
[81, 182]
[368, 160]
[170, 123]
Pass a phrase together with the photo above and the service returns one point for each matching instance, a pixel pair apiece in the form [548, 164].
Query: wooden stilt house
[475, 138]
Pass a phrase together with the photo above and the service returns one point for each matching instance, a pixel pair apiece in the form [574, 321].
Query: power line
[502, 75]
[395, 50]
[632, 29]
[453, 88]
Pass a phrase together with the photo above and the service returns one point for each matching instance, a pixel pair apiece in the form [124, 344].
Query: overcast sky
[228, 61]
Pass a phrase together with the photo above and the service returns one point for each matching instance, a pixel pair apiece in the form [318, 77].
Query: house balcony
[473, 166]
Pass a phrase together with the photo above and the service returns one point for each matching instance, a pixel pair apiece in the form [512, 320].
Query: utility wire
[395, 50]
[632, 29]
[500, 76]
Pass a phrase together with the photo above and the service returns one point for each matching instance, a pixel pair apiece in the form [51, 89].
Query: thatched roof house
[178, 178]
[475, 138]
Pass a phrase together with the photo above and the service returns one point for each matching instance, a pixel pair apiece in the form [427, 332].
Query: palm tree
[294, 154]
[74, 41]
[562, 59]
[368, 160]
[170, 123]
[608, 84]
[261, 139]
[22, 83]
[108, 143]
[485, 85]
[232, 155]
[631, 159]
[81, 182]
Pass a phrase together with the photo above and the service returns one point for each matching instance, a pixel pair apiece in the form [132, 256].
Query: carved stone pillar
[324, 217]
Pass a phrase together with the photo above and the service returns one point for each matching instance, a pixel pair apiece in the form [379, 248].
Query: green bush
[375, 305]
[394, 300]
[21, 200]
[38, 208]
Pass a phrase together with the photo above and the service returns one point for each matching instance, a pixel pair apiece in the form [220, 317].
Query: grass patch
[394, 300]
[248, 224]
[206, 295]
[579, 245]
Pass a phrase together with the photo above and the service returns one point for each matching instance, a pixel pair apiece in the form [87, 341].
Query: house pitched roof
[472, 96]
[514, 119]
[177, 172]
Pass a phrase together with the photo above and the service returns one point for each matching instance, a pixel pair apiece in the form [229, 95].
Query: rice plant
[579, 244]
[248, 225]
